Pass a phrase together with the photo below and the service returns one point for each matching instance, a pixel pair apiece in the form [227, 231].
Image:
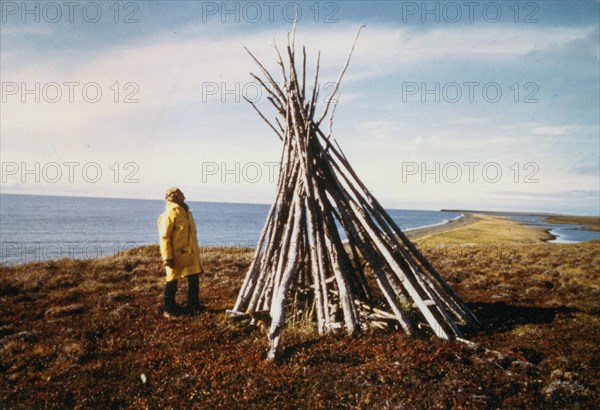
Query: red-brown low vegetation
[90, 333]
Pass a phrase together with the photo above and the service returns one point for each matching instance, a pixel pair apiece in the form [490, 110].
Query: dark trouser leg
[193, 290]
[170, 289]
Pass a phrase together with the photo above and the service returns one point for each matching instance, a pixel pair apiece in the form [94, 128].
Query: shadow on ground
[500, 316]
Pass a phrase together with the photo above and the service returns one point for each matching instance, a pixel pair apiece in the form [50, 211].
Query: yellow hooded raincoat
[177, 231]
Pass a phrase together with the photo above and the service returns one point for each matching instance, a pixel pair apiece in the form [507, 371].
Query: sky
[445, 105]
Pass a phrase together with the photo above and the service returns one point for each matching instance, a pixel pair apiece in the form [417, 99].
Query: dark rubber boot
[193, 300]
[170, 290]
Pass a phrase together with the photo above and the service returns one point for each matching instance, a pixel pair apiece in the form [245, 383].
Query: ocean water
[38, 228]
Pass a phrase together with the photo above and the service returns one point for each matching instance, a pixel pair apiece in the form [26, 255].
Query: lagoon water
[38, 228]
[565, 233]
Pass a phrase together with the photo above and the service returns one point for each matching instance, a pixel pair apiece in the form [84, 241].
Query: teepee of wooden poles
[301, 266]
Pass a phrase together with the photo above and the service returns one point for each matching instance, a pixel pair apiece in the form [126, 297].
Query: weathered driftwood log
[301, 265]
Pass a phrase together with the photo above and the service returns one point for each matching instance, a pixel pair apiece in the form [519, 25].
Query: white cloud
[27, 30]
[579, 194]
[552, 131]
[171, 121]
[467, 120]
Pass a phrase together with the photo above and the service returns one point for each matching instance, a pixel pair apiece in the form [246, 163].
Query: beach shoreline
[468, 217]
[585, 222]
[465, 219]
[474, 227]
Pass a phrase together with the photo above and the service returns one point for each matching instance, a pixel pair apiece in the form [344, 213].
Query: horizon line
[455, 210]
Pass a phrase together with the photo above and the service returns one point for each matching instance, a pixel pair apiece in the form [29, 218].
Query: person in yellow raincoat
[180, 252]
